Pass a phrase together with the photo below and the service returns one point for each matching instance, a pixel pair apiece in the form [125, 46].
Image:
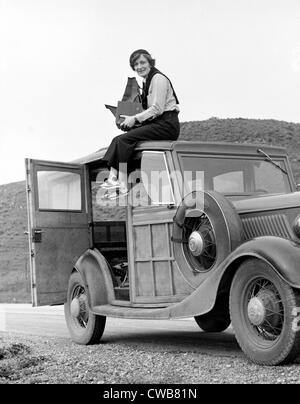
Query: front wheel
[264, 312]
[85, 327]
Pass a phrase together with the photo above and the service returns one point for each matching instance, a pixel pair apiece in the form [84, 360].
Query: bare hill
[270, 131]
[14, 270]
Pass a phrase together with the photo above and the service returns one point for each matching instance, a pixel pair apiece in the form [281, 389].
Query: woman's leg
[122, 146]
[113, 174]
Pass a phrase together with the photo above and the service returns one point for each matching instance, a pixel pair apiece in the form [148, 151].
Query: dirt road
[183, 334]
[35, 348]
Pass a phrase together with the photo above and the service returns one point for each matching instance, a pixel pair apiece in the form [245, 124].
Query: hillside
[14, 271]
[277, 133]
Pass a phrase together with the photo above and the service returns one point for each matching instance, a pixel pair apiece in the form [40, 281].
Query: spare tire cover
[209, 219]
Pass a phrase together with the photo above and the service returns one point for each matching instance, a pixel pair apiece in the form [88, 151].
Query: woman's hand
[128, 122]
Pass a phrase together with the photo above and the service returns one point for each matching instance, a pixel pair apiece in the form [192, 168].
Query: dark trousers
[164, 127]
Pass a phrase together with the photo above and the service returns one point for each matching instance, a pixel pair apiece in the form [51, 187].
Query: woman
[158, 121]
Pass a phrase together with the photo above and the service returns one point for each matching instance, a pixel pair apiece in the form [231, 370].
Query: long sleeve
[159, 91]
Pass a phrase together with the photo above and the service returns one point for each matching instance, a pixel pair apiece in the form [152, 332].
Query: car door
[58, 227]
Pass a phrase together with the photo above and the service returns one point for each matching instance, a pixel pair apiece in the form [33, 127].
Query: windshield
[237, 176]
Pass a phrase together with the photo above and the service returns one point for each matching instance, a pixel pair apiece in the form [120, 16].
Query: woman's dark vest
[146, 86]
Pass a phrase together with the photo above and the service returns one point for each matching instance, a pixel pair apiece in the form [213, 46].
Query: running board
[132, 312]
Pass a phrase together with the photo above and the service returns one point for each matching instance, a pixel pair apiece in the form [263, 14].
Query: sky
[62, 60]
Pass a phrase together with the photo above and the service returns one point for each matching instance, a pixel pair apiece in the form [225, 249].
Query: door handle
[37, 235]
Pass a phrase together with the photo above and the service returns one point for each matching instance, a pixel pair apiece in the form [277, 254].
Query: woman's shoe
[121, 192]
[110, 184]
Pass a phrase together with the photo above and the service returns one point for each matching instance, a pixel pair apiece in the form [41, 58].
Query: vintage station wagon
[208, 230]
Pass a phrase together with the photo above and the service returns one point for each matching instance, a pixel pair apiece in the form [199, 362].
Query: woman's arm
[157, 97]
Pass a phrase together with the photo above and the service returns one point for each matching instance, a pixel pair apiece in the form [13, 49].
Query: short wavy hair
[141, 52]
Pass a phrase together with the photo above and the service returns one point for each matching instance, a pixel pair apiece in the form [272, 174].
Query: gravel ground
[46, 360]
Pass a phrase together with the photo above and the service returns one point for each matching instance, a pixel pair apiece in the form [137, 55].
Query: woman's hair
[141, 52]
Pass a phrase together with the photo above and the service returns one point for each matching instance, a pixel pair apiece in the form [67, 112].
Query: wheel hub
[78, 307]
[196, 243]
[75, 307]
[262, 307]
[256, 311]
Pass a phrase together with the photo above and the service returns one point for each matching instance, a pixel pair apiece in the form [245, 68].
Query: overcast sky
[62, 60]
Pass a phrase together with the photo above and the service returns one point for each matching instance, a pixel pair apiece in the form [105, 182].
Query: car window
[103, 208]
[234, 175]
[268, 178]
[156, 178]
[232, 181]
[59, 190]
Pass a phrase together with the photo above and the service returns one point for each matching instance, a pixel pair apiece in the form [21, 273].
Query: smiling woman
[158, 121]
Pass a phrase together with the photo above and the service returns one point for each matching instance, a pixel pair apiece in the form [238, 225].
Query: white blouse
[160, 99]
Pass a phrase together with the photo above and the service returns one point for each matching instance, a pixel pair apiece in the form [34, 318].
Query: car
[208, 230]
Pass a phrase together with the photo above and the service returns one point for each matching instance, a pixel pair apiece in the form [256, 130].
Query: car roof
[200, 147]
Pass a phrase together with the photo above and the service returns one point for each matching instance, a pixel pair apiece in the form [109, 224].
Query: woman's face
[142, 66]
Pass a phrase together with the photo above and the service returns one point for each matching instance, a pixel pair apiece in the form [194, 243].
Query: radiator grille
[271, 225]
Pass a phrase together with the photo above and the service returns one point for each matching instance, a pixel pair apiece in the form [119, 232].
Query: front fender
[282, 254]
[96, 276]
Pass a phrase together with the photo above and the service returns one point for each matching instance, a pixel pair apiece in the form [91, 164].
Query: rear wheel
[265, 312]
[84, 327]
[218, 319]
[210, 323]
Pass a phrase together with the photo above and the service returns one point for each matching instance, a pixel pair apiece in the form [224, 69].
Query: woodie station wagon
[214, 235]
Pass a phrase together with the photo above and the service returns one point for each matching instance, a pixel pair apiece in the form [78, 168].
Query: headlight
[296, 226]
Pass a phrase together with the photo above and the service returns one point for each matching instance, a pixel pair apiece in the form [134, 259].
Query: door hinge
[28, 188]
[32, 253]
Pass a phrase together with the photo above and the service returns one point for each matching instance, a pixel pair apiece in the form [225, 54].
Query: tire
[218, 319]
[209, 323]
[85, 327]
[264, 314]
[206, 230]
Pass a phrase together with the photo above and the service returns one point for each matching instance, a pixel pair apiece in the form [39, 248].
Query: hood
[267, 202]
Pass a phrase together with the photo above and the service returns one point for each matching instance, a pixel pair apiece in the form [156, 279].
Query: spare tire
[206, 230]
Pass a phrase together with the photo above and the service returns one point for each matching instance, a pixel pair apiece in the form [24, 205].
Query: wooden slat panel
[151, 262]
[159, 240]
[131, 252]
[142, 242]
[171, 246]
[145, 281]
[170, 251]
[154, 259]
[157, 276]
[163, 281]
[151, 221]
